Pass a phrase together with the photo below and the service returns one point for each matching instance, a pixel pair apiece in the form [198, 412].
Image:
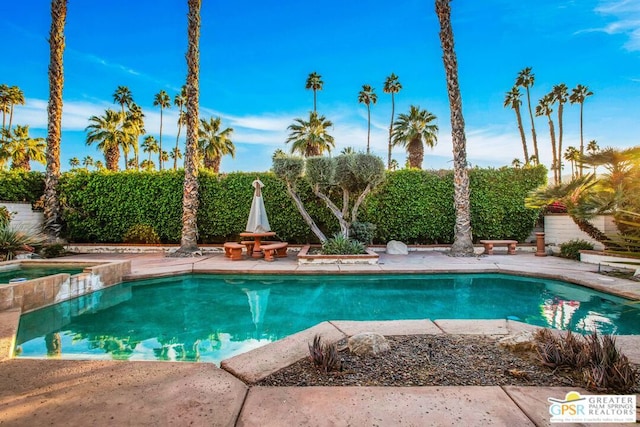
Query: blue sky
[256, 56]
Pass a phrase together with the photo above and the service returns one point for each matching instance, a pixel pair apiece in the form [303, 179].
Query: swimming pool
[214, 317]
[33, 272]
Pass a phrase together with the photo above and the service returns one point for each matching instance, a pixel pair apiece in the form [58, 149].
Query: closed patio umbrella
[258, 221]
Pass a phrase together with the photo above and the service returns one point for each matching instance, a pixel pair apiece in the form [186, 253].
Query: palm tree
[315, 83]
[572, 156]
[4, 103]
[179, 100]
[512, 99]
[148, 165]
[559, 94]
[393, 165]
[526, 79]
[150, 145]
[578, 95]
[463, 240]
[16, 97]
[52, 222]
[134, 123]
[391, 85]
[213, 143]
[310, 138]
[74, 163]
[109, 133]
[592, 148]
[368, 97]
[123, 96]
[176, 155]
[348, 150]
[516, 163]
[544, 109]
[98, 165]
[22, 149]
[163, 101]
[87, 161]
[189, 239]
[413, 131]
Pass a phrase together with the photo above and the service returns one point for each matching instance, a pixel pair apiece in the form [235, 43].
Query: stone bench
[233, 250]
[489, 244]
[273, 249]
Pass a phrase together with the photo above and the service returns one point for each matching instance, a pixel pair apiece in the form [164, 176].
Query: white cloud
[624, 16]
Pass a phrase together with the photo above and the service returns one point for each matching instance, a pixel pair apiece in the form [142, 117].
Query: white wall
[560, 228]
[23, 216]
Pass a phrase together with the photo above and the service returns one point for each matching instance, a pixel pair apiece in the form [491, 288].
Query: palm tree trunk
[189, 240]
[590, 229]
[393, 108]
[463, 240]
[368, 126]
[554, 158]
[52, 222]
[522, 135]
[581, 141]
[314, 99]
[533, 130]
[416, 153]
[160, 142]
[112, 157]
[560, 131]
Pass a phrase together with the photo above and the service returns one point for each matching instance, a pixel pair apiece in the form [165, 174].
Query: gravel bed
[429, 360]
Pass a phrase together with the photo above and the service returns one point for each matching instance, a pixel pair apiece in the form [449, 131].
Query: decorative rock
[395, 247]
[368, 343]
[522, 341]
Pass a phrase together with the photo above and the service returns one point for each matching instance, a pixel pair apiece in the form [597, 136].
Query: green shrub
[141, 233]
[21, 186]
[52, 251]
[572, 248]
[363, 232]
[341, 245]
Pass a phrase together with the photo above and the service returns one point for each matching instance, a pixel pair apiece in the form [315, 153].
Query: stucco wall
[560, 228]
[24, 216]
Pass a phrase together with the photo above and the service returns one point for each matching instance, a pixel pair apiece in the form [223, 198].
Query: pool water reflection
[213, 317]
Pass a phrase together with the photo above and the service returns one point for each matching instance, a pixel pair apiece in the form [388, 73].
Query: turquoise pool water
[29, 272]
[213, 317]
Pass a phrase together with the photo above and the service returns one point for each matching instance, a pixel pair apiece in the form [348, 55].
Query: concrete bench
[233, 250]
[272, 249]
[489, 244]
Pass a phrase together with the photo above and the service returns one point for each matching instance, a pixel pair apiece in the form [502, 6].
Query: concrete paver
[262, 362]
[107, 393]
[388, 327]
[380, 406]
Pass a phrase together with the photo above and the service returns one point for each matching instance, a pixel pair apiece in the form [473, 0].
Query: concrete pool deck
[68, 392]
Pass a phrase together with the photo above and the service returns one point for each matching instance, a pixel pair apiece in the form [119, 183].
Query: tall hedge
[411, 205]
[21, 186]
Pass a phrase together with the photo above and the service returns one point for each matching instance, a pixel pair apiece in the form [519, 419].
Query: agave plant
[14, 240]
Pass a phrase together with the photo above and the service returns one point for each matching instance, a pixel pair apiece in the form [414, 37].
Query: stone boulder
[368, 343]
[395, 247]
[522, 341]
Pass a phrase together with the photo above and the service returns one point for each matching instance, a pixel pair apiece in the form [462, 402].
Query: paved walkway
[79, 393]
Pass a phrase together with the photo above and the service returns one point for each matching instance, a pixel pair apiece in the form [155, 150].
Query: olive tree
[355, 175]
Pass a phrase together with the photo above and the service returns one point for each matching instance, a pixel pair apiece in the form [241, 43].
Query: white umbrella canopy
[258, 221]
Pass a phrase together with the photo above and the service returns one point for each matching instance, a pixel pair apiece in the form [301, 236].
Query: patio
[65, 392]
